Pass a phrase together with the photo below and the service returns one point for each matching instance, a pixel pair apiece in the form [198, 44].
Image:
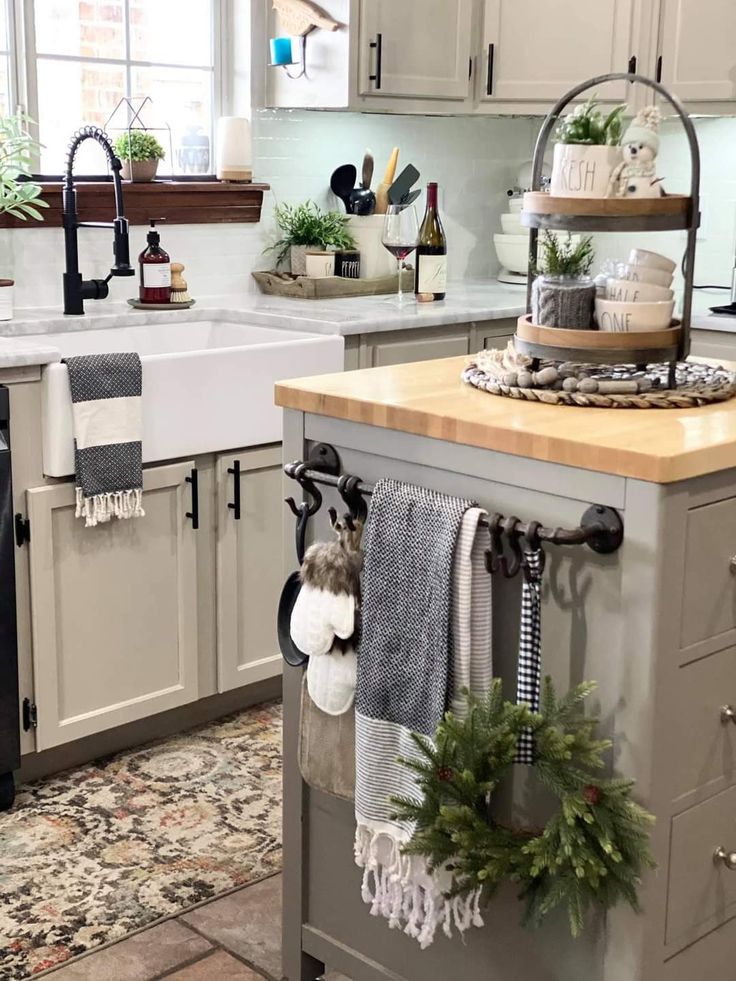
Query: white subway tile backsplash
[475, 160]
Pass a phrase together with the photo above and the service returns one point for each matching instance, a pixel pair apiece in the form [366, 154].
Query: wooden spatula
[388, 179]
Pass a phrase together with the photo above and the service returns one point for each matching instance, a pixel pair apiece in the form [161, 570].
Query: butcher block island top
[429, 399]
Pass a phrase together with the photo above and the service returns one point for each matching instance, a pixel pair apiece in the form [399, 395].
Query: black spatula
[342, 184]
[403, 184]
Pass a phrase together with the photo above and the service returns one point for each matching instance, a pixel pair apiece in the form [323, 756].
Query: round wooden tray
[542, 210]
[596, 346]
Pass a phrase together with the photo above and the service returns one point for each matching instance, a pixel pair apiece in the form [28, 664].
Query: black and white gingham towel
[106, 410]
[530, 649]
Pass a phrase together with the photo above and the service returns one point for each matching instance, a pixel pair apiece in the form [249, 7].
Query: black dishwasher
[9, 714]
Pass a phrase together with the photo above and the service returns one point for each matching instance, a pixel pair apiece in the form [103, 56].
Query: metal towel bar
[601, 528]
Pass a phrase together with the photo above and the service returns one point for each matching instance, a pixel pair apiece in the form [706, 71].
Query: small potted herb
[305, 227]
[19, 196]
[563, 294]
[587, 150]
[139, 153]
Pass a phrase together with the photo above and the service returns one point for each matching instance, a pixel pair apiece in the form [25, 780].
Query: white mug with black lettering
[583, 171]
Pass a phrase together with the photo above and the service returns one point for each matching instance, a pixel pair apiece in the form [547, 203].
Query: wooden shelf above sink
[179, 202]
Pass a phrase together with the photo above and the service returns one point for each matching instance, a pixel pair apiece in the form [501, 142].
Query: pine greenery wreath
[591, 852]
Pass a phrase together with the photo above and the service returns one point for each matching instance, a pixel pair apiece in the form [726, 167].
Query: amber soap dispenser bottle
[155, 270]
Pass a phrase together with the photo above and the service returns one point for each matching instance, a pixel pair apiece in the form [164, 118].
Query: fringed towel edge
[101, 508]
[417, 907]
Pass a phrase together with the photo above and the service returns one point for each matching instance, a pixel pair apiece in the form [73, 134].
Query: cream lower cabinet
[114, 609]
[250, 509]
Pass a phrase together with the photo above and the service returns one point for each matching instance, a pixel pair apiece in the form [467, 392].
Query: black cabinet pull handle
[658, 76]
[378, 45]
[193, 479]
[234, 505]
[632, 65]
[489, 77]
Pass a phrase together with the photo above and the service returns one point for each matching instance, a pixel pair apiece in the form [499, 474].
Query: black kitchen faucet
[76, 289]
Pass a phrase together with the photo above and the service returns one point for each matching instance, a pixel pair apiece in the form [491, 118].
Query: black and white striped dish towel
[530, 649]
[106, 411]
[424, 583]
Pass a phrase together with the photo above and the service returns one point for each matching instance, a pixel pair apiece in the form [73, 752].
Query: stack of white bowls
[639, 297]
[512, 245]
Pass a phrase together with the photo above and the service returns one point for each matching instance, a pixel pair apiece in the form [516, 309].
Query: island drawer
[701, 892]
[709, 599]
[703, 738]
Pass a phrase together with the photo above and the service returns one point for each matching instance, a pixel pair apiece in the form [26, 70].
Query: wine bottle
[430, 281]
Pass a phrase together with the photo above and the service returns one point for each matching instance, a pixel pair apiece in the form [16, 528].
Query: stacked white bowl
[639, 297]
[512, 245]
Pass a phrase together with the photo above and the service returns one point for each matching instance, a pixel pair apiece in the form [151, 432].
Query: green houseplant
[139, 152]
[20, 197]
[306, 226]
[563, 294]
[587, 150]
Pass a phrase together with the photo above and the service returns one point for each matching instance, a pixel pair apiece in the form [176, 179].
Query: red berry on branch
[444, 773]
[592, 794]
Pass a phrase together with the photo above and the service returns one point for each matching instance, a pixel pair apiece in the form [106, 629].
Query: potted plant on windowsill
[19, 196]
[563, 294]
[587, 151]
[306, 227]
[139, 153]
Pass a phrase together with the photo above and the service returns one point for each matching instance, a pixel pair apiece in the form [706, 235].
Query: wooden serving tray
[542, 210]
[596, 339]
[597, 346]
[304, 288]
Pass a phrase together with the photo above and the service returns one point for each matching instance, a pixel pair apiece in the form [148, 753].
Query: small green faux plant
[19, 196]
[560, 257]
[586, 124]
[307, 224]
[138, 145]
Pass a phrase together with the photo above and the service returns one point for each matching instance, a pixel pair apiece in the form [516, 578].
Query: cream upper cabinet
[250, 571]
[113, 609]
[535, 52]
[415, 48]
[697, 48]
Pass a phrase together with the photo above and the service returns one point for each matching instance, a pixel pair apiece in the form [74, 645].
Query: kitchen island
[654, 623]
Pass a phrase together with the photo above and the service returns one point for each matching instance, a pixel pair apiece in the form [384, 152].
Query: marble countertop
[28, 337]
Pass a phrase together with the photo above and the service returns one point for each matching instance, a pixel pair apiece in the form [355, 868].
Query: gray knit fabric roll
[562, 304]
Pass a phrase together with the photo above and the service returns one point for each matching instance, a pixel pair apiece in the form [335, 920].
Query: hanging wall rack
[601, 528]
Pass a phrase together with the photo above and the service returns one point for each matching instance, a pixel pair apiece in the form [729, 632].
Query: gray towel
[404, 682]
[106, 408]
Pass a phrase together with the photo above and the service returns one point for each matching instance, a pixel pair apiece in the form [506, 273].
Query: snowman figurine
[635, 176]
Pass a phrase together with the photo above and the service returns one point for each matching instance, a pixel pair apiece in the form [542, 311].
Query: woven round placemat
[696, 384]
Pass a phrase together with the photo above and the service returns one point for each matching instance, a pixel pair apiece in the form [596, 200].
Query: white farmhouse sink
[207, 385]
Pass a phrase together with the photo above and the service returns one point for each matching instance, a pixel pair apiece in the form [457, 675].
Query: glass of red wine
[400, 236]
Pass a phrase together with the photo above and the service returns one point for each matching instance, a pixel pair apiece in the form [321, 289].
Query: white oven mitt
[331, 680]
[324, 616]
[319, 616]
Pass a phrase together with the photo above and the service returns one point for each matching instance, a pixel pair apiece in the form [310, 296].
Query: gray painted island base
[655, 625]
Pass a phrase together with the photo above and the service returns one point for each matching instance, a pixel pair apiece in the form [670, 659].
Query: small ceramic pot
[629, 291]
[320, 265]
[653, 260]
[627, 316]
[644, 274]
[139, 171]
[6, 299]
[563, 301]
[582, 171]
[297, 260]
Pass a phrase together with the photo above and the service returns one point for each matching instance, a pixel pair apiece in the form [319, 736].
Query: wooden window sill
[179, 202]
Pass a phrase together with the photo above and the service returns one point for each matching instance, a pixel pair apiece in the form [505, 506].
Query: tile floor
[235, 938]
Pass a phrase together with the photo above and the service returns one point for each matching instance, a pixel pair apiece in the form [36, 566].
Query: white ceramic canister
[320, 265]
[582, 171]
[367, 231]
[6, 299]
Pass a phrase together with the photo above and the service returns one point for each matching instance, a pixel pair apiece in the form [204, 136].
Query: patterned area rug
[95, 853]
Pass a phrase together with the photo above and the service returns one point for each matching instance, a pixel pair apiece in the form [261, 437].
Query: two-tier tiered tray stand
[576, 214]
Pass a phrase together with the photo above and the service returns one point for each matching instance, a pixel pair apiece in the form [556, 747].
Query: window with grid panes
[86, 55]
